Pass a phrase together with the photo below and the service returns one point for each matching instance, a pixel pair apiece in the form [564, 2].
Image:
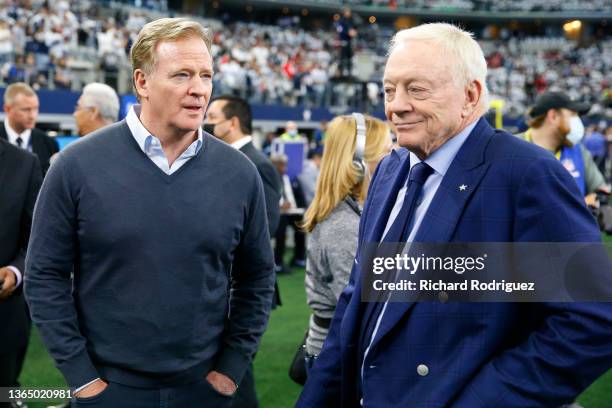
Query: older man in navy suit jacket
[466, 183]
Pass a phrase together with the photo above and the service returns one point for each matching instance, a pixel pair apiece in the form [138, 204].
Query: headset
[360, 141]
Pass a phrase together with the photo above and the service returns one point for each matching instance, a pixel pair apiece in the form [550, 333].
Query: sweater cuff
[233, 364]
[78, 370]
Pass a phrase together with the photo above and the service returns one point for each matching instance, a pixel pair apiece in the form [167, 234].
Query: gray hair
[278, 158]
[468, 60]
[103, 97]
[17, 88]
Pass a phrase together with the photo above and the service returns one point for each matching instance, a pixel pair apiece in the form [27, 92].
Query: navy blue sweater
[173, 274]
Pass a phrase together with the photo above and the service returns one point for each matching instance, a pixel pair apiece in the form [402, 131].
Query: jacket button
[422, 370]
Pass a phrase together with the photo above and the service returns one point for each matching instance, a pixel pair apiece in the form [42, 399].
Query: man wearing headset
[335, 211]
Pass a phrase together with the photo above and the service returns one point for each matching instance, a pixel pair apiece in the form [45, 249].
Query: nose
[399, 104]
[199, 87]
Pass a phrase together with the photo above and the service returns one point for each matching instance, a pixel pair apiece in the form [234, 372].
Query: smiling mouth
[407, 124]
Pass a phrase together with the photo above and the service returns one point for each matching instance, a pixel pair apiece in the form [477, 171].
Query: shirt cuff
[83, 386]
[17, 273]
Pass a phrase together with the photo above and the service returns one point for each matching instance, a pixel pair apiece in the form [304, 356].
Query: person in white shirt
[21, 108]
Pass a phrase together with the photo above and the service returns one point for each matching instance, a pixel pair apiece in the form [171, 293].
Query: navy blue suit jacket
[478, 354]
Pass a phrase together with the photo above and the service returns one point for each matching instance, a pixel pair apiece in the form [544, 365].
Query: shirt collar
[13, 135]
[146, 140]
[240, 143]
[441, 159]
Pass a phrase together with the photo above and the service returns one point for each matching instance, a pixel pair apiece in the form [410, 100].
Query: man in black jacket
[20, 179]
[21, 108]
[229, 118]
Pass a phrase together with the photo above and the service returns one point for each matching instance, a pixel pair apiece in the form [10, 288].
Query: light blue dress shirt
[439, 161]
[151, 146]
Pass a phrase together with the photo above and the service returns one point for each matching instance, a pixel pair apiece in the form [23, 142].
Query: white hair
[103, 97]
[468, 61]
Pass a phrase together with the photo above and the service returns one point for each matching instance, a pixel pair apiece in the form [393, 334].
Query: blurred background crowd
[303, 67]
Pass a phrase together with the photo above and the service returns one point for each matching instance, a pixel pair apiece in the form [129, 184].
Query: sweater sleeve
[252, 289]
[330, 260]
[49, 264]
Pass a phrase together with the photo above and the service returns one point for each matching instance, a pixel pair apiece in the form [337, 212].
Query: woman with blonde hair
[354, 146]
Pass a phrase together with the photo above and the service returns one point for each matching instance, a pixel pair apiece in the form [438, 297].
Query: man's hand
[10, 280]
[222, 383]
[591, 200]
[92, 389]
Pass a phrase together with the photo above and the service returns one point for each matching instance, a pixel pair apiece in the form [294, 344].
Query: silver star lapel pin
[462, 187]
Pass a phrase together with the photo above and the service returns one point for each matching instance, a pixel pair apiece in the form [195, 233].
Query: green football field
[285, 331]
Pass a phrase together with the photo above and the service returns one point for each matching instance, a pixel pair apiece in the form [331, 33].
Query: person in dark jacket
[229, 118]
[20, 179]
[21, 108]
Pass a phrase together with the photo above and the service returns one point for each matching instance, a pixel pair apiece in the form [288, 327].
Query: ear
[473, 93]
[235, 123]
[551, 115]
[140, 83]
[95, 112]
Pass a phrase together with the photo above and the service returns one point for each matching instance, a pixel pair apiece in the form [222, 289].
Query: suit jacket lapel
[247, 149]
[3, 168]
[445, 210]
[37, 143]
[3, 134]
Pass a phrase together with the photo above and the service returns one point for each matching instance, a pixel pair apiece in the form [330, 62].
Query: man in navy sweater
[164, 228]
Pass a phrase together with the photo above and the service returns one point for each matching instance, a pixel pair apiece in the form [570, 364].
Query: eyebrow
[408, 80]
[190, 70]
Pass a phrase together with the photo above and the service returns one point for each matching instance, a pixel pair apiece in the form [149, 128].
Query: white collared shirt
[240, 143]
[152, 147]
[13, 135]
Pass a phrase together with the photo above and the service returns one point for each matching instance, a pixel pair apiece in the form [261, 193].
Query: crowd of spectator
[64, 45]
[519, 70]
[481, 5]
